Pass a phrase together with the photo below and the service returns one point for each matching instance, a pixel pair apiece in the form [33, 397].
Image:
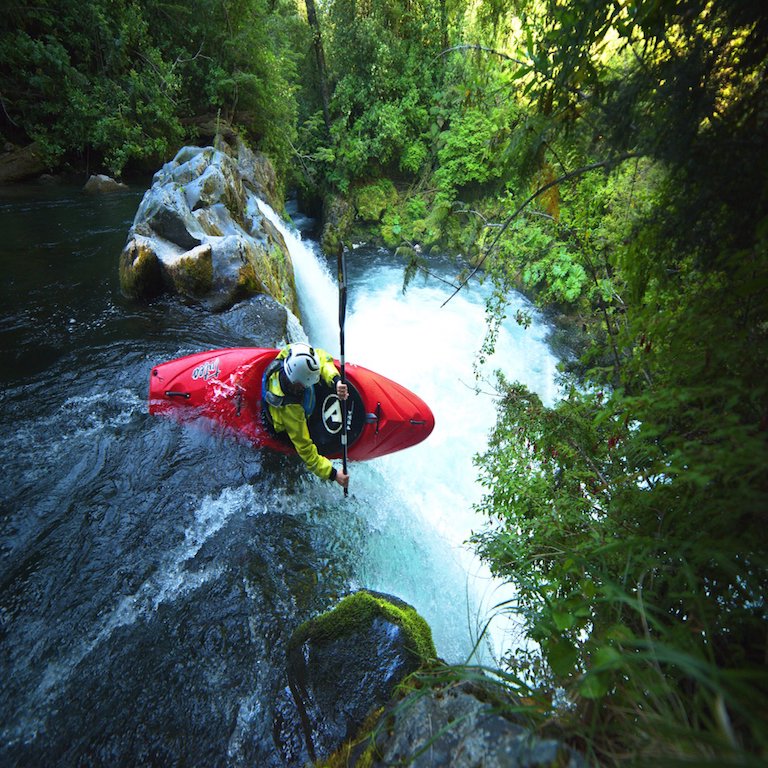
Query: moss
[338, 216]
[373, 200]
[359, 751]
[392, 231]
[248, 281]
[356, 612]
[139, 271]
[193, 275]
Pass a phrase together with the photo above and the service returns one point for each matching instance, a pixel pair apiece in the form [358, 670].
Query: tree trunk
[320, 58]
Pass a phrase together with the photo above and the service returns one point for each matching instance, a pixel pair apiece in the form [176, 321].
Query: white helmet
[302, 366]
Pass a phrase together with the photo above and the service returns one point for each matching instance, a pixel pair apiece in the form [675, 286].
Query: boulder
[191, 272]
[342, 666]
[200, 232]
[259, 174]
[458, 724]
[20, 163]
[165, 213]
[139, 269]
[99, 184]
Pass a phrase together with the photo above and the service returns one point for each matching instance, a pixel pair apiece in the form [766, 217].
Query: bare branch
[5, 111]
[479, 215]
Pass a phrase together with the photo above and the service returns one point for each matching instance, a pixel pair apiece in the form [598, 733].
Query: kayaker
[288, 398]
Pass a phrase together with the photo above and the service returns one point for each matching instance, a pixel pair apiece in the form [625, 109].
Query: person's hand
[341, 390]
[342, 478]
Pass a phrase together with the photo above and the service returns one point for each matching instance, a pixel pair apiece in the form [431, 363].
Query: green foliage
[381, 61]
[630, 515]
[114, 80]
[89, 78]
[372, 200]
[468, 149]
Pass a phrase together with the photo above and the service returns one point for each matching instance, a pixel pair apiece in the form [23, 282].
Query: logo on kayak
[332, 416]
[208, 369]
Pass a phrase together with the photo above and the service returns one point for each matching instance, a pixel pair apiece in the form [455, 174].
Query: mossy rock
[338, 215]
[347, 662]
[355, 612]
[192, 272]
[373, 200]
[139, 270]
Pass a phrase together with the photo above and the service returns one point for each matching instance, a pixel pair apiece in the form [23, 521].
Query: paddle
[342, 318]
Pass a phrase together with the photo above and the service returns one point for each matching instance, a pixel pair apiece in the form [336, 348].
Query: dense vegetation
[115, 84]
[608, 158]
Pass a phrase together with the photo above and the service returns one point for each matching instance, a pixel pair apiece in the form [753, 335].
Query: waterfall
[418, 503]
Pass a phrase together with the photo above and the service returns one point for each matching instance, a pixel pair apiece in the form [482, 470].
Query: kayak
[225, 386]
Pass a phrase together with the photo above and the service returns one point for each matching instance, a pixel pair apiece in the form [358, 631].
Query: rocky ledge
[201, 232]
[365, 689]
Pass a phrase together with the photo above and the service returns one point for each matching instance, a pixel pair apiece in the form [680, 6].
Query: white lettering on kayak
[207, 370]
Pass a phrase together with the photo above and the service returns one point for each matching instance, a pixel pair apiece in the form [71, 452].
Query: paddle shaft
[342, 320]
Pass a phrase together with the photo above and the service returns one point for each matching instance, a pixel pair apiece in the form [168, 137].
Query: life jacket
[306, 399]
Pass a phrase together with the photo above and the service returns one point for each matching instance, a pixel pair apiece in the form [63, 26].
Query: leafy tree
[117, 80]
[87, 77]
[631, 515]
[380, 67]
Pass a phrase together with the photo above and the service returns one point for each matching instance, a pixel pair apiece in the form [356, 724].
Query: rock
[99, 184]
[199, 232]
[191, 272]
[166, 214]
[461, 725]
[338, 215]
[139, 268]
[20, 163]
[259, 174]
[345, 664]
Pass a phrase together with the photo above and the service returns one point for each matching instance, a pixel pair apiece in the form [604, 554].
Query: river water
[150, 571]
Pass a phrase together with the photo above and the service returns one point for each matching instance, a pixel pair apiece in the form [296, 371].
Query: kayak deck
[225, 385]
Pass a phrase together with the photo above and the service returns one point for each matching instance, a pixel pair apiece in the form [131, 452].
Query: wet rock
[342, 666]
[259, 175]
[192, 272]
[199, 232]
[139, 269]
[461, 726]
[338, 215]
[100, 184]
[20, 163]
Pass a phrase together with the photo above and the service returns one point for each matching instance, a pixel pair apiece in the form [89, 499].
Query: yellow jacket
[291, 417]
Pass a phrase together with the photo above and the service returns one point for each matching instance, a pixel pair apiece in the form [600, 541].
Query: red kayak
[225, 385]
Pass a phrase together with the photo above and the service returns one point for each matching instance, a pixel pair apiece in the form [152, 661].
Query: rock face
[348, 703]
[343, 665]
[338, 215]
[199, 232]
[461, 725]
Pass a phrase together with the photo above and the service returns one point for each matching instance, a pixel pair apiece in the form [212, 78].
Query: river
[151, 571]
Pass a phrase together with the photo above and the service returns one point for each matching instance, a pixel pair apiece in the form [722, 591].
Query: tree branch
[483, 48]
[540, 191]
